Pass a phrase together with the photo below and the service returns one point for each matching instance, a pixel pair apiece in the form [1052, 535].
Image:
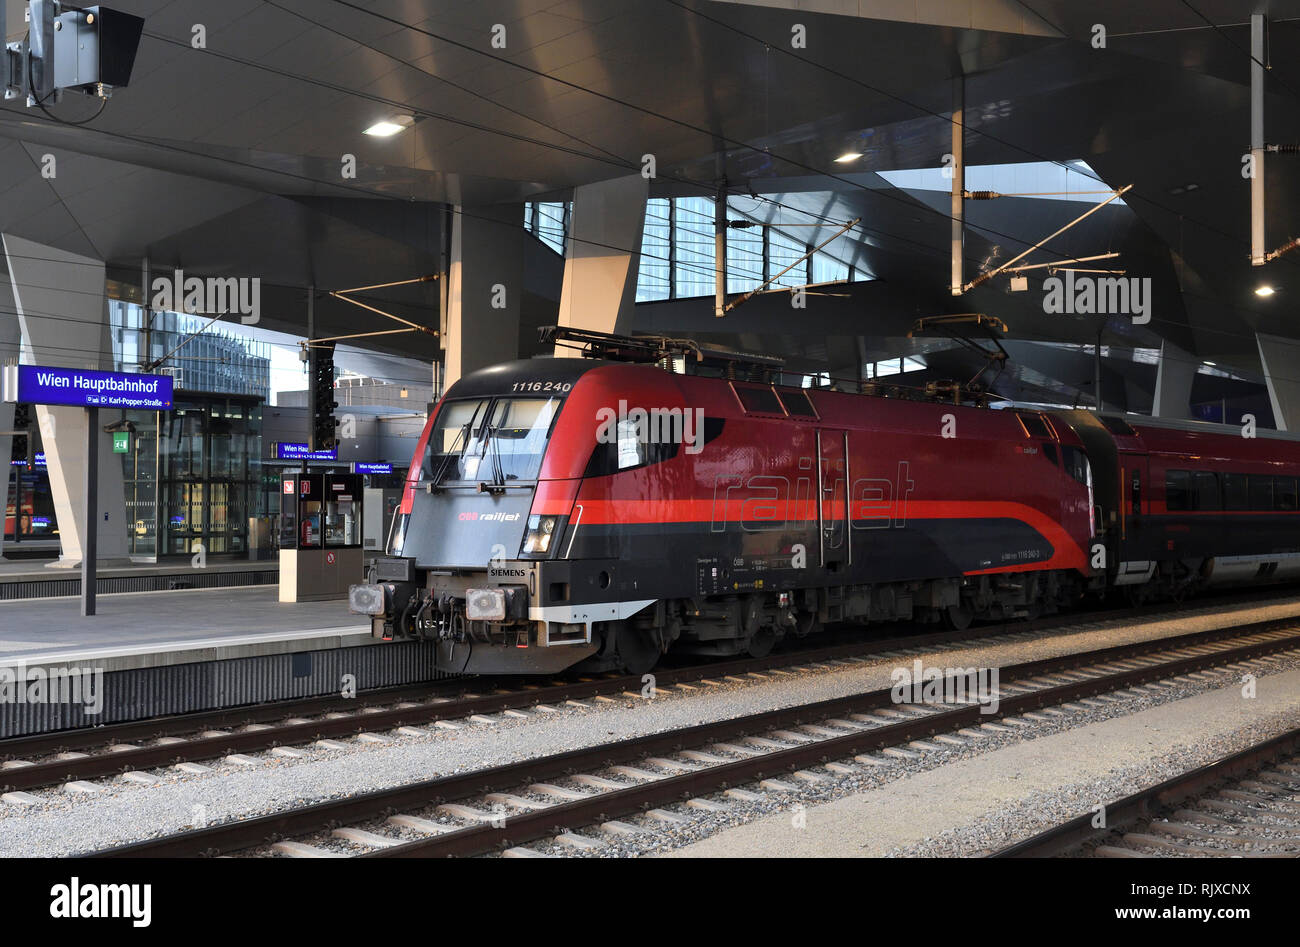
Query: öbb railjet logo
[212, 296]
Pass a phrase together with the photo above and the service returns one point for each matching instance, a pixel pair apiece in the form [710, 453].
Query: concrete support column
[604, 253]
[485, 280]
[62, 312]
[1279, 357]
[1175, 373]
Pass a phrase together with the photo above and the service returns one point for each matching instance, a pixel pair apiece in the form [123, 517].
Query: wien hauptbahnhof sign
[84, 388]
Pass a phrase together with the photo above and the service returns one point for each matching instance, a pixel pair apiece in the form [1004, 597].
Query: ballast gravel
[63, 824]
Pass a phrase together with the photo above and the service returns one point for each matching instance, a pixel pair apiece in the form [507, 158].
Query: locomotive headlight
[541, 530]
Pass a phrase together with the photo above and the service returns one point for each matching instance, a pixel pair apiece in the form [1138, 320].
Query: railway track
[505, 807]
[81, 755]
[77, 756]
[1246, 804]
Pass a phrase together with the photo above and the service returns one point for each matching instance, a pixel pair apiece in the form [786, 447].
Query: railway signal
[320, 396]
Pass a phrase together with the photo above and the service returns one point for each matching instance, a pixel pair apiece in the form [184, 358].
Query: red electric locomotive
[605, 509]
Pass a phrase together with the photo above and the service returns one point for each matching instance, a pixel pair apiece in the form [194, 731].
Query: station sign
[372, 468]
[292, 450]
[39, 458]
[85, 388]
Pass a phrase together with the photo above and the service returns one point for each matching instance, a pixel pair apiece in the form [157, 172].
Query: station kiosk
[320, 536]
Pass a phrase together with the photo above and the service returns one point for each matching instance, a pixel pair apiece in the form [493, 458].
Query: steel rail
[48, 743]
[520, 828]
[1146, 804]
[38, 744]
[111, 763]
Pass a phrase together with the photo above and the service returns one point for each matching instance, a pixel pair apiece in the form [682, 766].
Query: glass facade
[677, 252]
[193, 476]
[677, 249]
[199, 357]
[29, 508]
[654, 279]
[210, 474]
[548, 221]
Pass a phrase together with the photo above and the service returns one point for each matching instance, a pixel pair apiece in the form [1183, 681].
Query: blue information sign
[289, 450]
[372, 468]
[83, 388]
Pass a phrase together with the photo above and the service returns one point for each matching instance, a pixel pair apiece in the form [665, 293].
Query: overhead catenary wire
[701, 268]
[477, 126]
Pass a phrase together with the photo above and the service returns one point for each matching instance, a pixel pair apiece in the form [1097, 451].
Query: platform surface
[143, 629]
[37, 570]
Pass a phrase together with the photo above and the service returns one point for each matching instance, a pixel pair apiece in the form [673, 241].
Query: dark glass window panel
[1178, 493]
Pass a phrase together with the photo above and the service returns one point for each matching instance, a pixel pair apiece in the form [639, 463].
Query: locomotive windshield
[494, 440]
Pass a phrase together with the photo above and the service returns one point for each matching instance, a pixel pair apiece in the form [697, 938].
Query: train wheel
[762, 642]
[956, 617]
[637, 649]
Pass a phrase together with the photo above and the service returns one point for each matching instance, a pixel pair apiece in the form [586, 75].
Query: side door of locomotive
[1140, 537]
[833, 497]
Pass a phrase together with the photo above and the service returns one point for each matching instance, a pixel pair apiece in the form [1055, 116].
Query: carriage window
[1034, 425]
[631, 447]
[1261, 492]
[1178, 494]
[1236, 492]
[1076, 464]
[1284, 493]
[1206, 485]
[797, 404]
[759, 400]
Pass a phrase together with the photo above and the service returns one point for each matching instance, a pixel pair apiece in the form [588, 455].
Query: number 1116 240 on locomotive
[608, 508]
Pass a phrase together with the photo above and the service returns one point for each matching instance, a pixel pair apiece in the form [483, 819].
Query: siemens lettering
[92, 389]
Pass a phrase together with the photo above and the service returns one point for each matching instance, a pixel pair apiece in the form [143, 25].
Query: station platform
[31, 578]
[152, 629]
[190, 650]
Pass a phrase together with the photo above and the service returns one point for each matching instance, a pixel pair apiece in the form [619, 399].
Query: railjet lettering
[74, 900]
[775, 502]
[20, 684]
[932, 685]
[683, 426]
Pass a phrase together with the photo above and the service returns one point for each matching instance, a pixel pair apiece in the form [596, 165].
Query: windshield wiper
[446, 458]
[498, 484]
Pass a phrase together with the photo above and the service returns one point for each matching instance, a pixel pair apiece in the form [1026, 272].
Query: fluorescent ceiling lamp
[1265, 291]
[386, 129]
[848, 156]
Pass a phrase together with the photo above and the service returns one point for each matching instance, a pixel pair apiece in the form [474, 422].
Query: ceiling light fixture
[389, 127]
[1265, 291]
[848, 156]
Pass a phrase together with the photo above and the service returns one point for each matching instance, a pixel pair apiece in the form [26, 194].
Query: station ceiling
[226, 160]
